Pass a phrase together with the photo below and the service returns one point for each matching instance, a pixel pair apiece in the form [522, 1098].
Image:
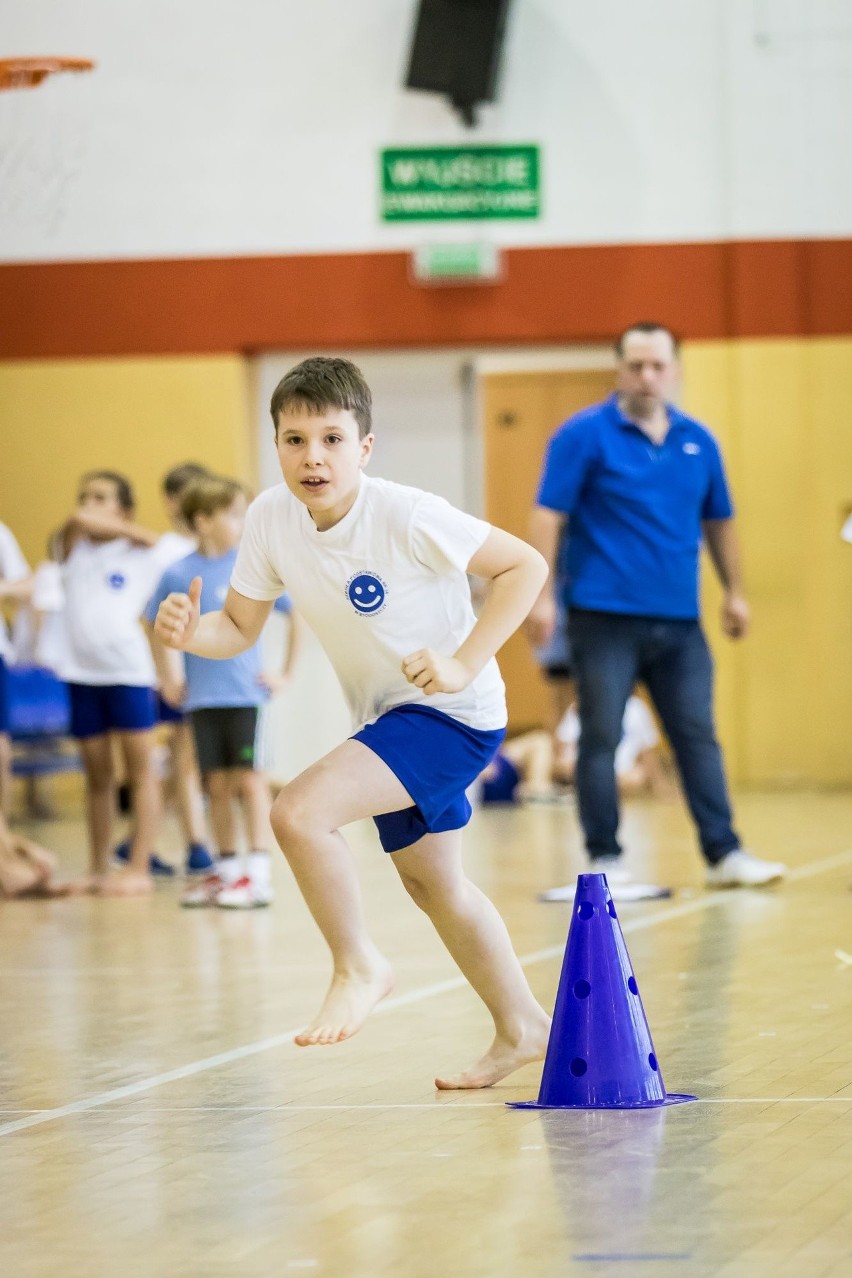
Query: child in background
[16, 587]
[109, 572]
[223, 700]
[26, 869]
[521, 771]
[185, 779]
[638, 767]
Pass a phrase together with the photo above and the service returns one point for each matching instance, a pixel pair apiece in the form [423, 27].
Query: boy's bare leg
[5, 770]
[96, 753]
[222, 820]
[476, 937]
[253, 791]
[138, 749]
[349, 783]
[187, 784]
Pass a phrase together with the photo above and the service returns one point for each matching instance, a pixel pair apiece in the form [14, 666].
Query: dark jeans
[611, 652]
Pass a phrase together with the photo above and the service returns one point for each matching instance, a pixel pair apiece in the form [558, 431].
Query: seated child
[638, 767]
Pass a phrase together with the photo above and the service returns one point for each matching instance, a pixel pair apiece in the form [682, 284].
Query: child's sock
[259, 867]
[228, 867]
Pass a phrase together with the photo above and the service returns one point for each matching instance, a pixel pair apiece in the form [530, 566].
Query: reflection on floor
[157, 1120]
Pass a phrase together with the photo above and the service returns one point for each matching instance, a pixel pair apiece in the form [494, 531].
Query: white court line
[389, 1005]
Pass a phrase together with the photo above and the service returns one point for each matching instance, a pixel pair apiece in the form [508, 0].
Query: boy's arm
[545, 533]
[84, 524]
[278, 682]
[167, 664]
[217, 635]
[517, 574]
[112, 526]
[20, 591]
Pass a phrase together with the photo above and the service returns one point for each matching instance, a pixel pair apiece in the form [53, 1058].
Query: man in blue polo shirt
[641, 485]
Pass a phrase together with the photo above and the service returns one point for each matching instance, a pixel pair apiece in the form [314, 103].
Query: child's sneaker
[204, 893]
[245, 894]
[162, 869]
[198, 859]
[740, 869]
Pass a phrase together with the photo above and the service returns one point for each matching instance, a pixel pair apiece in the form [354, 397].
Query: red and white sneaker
[204, 893]
[244, 894]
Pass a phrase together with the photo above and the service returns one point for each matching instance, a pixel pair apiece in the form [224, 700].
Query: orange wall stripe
[774, 288]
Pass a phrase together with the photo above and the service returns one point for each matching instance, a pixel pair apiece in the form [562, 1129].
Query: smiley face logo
[366, 593]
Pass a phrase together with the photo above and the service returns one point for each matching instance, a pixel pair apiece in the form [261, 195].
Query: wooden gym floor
[157, 1120]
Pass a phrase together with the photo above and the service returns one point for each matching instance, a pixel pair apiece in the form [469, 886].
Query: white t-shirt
[638, 733]
[13, 568]
[173, 546]
[107, 585]
[41, 644]
[388, 579]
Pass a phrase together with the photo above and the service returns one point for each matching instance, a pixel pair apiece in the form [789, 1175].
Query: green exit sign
[456, 263]
[451, 183]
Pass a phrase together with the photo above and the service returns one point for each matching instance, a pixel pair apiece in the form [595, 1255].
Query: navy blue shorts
[167, 713]
[436, 758]
[96, 709]
[4, 694]
[502, 786]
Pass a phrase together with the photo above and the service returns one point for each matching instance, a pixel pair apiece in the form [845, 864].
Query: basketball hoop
[43, 141]
[27, 73]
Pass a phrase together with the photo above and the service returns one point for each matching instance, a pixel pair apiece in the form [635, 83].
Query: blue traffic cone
[600, 1054]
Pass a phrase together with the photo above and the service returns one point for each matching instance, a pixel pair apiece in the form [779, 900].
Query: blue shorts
[4, 694]
[167, 713]
[436, 758]
[115, 707]
[501, 787]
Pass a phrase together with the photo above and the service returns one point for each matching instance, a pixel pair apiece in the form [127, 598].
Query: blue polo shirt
[635, 510]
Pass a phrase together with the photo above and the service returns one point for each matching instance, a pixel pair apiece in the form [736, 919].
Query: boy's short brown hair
[207, 494]
[176, 479]
[320, 383]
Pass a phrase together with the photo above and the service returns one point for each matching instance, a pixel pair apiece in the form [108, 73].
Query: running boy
[109, 572]
[379, 572]
[223, 700]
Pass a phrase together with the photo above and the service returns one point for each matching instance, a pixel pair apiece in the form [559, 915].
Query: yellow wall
[140, 416]
[780, 409]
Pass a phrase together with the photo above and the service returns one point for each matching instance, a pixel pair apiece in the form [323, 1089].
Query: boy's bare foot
[127, 884]
[503, 1057]
[348, 1003]
[17, 875]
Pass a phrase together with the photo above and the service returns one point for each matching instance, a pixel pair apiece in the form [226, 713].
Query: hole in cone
[578, 1067]
[582, 989]
[632, 986]
[611, 909]
[586, 910]
[652, 1060]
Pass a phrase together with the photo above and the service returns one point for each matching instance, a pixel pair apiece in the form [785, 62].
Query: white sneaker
[245, 894]
[622, 890]
[203, 893]
[622, 884]
[740, 869]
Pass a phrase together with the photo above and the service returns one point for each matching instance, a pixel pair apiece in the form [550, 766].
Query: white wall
[254, 127]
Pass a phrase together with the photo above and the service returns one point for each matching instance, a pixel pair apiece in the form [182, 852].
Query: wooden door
[521, 412]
